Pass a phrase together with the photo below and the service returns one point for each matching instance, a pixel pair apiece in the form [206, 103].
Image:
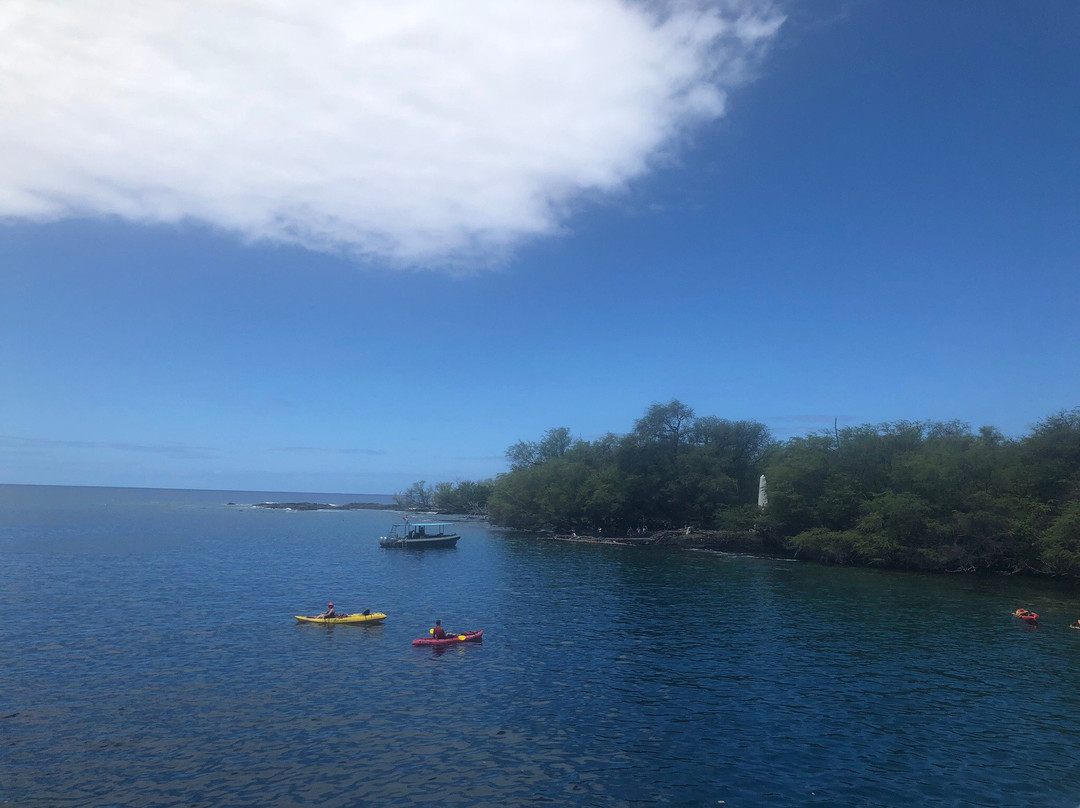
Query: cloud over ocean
[419, 132]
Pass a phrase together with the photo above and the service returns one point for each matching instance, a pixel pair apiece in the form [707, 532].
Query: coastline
[324, 506]
[721, 540]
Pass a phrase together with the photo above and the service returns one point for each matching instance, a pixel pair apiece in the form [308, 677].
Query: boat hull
[421, 543]
[408, 535]
[374, 617]
[470, 636]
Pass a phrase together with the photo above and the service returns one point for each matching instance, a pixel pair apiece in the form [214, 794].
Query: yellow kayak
[374, 617]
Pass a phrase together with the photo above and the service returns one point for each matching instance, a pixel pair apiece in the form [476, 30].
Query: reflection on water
[152, 659]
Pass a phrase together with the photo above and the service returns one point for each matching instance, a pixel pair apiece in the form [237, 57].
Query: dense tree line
[674, 469]
[465, 496]
[933, 496]
[915, 495]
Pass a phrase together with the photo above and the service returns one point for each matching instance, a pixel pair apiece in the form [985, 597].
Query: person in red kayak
[439, 633]
[329, 611]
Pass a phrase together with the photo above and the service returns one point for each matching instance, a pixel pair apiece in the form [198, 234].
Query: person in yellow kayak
[328, 613]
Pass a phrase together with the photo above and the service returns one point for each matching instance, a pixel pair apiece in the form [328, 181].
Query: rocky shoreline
[720, 540]
[323, 506]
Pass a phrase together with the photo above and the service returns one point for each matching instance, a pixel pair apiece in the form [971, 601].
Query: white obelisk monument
[762, 494]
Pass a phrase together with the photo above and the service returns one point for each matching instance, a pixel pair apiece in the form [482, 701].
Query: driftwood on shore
[636, 541]
[730, 541]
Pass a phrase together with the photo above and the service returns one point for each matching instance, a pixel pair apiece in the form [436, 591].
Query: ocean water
[150, 658]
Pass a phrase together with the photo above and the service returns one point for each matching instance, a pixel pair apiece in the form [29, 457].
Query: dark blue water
[150, 658]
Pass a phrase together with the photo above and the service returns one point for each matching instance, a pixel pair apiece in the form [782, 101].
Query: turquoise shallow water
[151, 659]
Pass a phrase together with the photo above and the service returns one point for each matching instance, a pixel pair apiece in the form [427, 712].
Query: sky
[347, 247]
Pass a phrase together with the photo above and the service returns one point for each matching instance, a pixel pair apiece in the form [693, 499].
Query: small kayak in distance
[452, 639]
[374, 617]
[1026, 616]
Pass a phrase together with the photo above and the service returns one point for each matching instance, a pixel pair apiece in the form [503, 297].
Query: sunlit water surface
[151, 658]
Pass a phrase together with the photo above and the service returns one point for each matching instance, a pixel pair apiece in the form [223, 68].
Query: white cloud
[411, 130]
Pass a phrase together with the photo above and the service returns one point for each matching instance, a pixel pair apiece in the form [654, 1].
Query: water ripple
[170, 673]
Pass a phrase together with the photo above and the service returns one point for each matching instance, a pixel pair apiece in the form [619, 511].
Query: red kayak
[451, 639]
[1031, 617]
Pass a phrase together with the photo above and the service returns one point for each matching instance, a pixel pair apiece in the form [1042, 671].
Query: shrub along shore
[919, 495]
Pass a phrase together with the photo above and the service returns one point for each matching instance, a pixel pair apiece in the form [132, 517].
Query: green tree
[1061, 549]
[466, 496]
[418, 495]
[1050, 457]
[666, 424]
[525, 453]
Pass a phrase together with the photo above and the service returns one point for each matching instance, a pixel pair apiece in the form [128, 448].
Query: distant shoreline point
[325, 506]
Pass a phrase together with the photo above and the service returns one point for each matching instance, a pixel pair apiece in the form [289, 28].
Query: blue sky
[343, 254]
